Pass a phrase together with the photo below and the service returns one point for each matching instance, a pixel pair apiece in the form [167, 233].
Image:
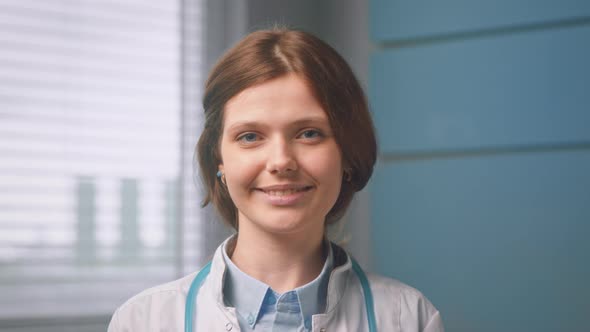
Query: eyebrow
[300, 122]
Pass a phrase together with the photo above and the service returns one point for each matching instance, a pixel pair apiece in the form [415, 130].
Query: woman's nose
[281, 158]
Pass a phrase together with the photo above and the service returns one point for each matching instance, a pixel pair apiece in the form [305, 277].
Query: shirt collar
[247, 294]
[242, 291]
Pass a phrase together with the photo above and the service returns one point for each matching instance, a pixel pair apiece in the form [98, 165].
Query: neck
[282, 262]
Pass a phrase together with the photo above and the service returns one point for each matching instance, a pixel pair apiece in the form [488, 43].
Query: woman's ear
[221, 173]
[346, 172]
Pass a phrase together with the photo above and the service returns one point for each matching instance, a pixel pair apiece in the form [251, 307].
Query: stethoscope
[189, 307]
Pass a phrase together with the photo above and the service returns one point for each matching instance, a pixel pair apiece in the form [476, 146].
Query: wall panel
[410, 19]
[518, 89]
[497, 243]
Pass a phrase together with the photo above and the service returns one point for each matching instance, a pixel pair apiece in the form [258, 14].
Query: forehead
[283, 99]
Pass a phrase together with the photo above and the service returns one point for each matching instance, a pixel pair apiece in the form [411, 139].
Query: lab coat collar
[338, 278]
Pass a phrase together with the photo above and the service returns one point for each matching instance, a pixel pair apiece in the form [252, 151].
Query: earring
[221, 176]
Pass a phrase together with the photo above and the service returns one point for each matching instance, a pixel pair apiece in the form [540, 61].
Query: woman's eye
[248, 138]
[311, 133]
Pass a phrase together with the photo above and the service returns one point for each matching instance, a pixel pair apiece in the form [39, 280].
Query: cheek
[326, 166]
[240, 169]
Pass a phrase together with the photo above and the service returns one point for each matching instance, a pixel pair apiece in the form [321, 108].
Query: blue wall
[481, 198]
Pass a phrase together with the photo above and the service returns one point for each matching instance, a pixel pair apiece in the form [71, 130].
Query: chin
[282, 221]
[285, 224]
[282, 225]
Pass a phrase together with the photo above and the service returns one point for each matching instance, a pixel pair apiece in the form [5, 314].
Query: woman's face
[282, 166]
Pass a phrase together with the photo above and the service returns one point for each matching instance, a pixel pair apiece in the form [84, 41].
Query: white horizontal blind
[92, 150]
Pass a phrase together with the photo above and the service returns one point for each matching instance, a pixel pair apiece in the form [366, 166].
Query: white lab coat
[398, 307]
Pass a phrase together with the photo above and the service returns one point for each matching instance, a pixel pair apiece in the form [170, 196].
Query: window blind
[99, 114]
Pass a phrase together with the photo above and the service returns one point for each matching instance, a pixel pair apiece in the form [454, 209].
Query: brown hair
[268, 54]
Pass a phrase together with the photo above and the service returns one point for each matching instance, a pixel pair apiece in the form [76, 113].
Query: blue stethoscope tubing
[189, 307]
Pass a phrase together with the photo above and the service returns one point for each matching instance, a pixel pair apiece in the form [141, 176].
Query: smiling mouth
[284, 192]
[288, 195]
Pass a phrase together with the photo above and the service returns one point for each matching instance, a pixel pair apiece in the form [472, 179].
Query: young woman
[288, 140]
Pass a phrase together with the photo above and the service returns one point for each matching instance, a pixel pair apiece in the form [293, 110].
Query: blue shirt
[259, 308]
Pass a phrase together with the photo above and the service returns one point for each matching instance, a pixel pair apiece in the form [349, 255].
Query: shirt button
[228, 326]
[250, 319]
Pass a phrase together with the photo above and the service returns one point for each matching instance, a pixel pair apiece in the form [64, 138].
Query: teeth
[283, 192]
